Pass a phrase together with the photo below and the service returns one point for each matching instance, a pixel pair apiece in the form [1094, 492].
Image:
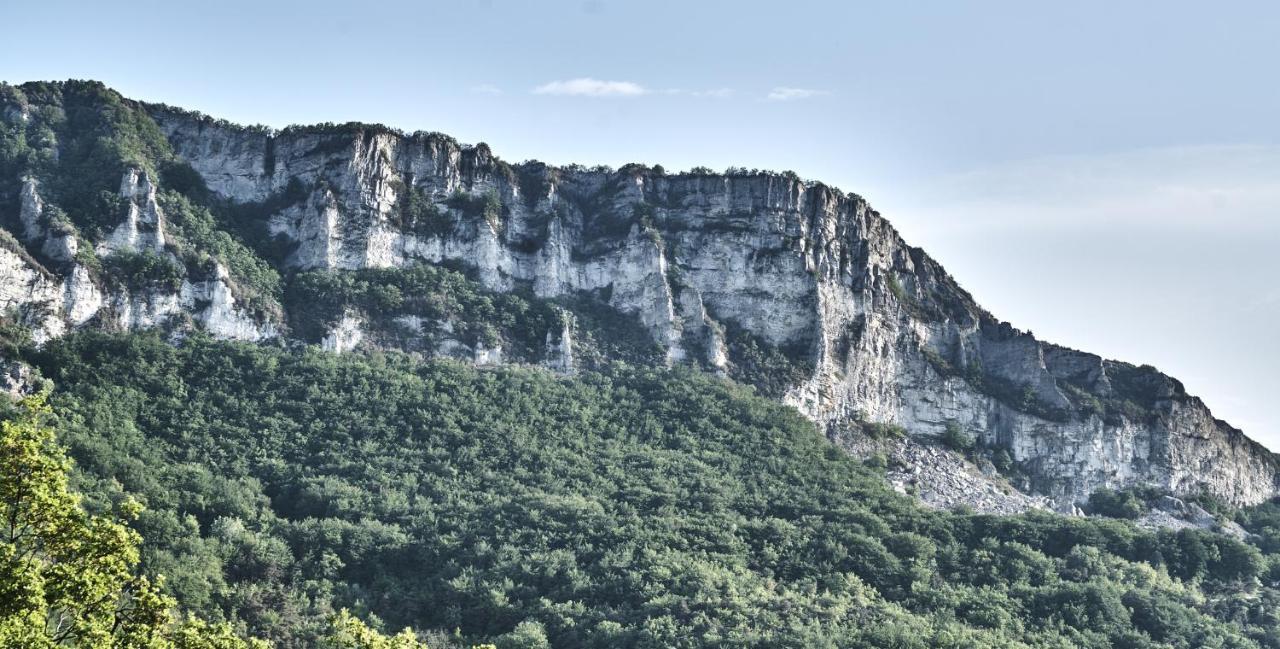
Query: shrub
[1116, 504]
[146, 270]
[419, 215]
[1002, 460]
[883, 430]
[955, 438]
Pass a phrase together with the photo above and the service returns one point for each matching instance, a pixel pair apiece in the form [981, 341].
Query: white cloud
[588, 87]
[486, 89]
[783, 93]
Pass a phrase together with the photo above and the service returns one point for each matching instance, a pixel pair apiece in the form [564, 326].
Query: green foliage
[955, 438]
[247, 222]
[15, 339]
[255, 283]
[68, 578]
[80, 138]
[1002, 461]
[770, 368]
[883, 430]
[529, 634]
[96, 134]
[603, 334]
[349, 632]
[487, 206]
[624, 507]
[1116, 504]
[418, 214]
[516, 320]
[1263, 521]
[631, 507]
[145, 270]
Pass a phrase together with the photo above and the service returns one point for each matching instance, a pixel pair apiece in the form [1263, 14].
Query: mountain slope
[630, 507]
[134, 216]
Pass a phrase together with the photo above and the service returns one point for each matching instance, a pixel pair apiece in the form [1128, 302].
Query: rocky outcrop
[18, 380]
[942, 479]
[1174, 513]
[860, 324]
[65, 293]
[888, 335]
[143, 226]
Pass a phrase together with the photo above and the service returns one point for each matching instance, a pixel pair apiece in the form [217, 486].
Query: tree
[956, 439]
[348, 632]
[68, 578]
[1116, 504]
[529, 634]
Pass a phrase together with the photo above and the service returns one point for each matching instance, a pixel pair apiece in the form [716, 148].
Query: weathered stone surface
[18, 380]
[52, 301]
[945, 480]
[1174, 513]
[344, 336]
[886, 333]
[143, 226]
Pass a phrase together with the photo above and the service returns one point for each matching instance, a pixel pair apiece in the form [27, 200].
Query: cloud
[486, 89]
[588, 87]
[783, 93]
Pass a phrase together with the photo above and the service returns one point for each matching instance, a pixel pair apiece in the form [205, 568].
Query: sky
[1105, 174]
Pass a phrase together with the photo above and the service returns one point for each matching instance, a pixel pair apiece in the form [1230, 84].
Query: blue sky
[1106, 174]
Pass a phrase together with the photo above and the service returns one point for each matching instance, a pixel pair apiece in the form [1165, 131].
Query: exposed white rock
[61, 248]
[412, 324]
[345, 335]
[559, 350]
[145, 309]
[31, 209]
[143, 226]
[81, 298]
[1175, 513]
[32, 293]
[943, 479]
[17, 380]
[212, 303]
[57, 245]
[488, 356]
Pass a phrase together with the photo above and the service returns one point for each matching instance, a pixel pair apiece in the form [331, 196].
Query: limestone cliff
[793, 285]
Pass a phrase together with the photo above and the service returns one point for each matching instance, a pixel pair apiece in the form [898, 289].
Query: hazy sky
[1106, 174]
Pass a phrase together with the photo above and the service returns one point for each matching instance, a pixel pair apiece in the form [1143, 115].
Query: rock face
[68, 294]
[17, 380]
[871, 328]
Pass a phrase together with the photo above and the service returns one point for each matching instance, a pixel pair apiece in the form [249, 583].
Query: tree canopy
[629, 507]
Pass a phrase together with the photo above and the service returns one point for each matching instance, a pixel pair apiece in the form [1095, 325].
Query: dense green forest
[69, 578]
[622, 508]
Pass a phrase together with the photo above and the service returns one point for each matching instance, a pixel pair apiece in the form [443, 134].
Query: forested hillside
[627, 507]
